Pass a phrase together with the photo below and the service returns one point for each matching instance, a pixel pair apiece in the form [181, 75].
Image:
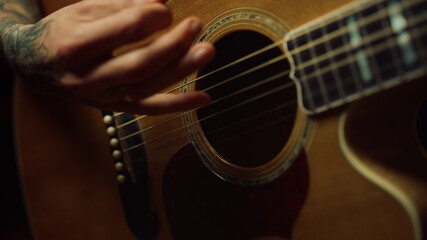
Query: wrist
[10, 34]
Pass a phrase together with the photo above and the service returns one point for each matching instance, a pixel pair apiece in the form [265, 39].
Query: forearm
[14, 15]
[18, 11]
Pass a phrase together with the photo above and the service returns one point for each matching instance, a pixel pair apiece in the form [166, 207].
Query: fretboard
[359, 50]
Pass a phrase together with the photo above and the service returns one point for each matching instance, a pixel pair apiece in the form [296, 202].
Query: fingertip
[203, 53]
[201, 99]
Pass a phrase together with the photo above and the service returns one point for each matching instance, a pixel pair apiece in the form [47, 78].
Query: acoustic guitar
[317, 130]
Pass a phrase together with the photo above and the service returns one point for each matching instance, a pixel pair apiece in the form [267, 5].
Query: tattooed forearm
[24, 48]
[24, 44]
[21, 42]
[18, 11]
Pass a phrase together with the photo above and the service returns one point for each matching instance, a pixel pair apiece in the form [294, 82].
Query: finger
[142, 64]
[129, 25]
[90, 10]
[93, 40]
[163, 103]
[196, 58]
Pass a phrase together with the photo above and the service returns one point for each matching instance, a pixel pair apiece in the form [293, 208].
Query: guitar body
[356, 172]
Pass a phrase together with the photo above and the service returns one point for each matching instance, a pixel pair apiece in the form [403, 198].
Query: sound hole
[252, 115]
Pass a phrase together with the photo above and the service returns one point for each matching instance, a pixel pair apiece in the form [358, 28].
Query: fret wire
[344, 10]
[395, 55]
[249, 100]
[418, 43]
[374, 66]
[349, 60]
[347, 47]
[399, 24]
[398, 79]
[336, 33]
[318, 77]
[342, 30]
[116, 114]
[354, 71]
[332, 63]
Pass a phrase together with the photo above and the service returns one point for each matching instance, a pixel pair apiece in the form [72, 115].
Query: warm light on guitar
[316, 130]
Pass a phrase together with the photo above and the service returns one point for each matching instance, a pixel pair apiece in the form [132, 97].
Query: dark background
[13, 219]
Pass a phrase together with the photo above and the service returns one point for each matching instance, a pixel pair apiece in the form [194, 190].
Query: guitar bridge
[132, 174]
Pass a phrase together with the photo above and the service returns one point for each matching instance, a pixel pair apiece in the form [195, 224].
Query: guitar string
[227, 126]
[213, 115]
[227, 109]
[321, 71]
[253, 54]
[256, 116]
[345, 61]
[369, 50]
[305, 64]
[259, 127]
[215, 144]
[282, 106]
[381, 13]
[217, 100]
[351, 59]
[222, 141]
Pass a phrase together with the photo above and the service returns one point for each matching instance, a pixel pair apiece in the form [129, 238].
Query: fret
[355, 40]
[350, 79]
[369, 47]
[312, 86]
[344, 80]
[347, 74]
[418, 41]
[399, 25]
[359, 50]
[392, 70]
[320, 97]
[332, 79]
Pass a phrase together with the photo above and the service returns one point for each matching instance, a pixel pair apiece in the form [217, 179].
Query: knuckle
[67, 49]
[155, 15]
[158, 10]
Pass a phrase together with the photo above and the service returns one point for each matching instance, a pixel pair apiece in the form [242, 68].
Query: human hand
[70, 52]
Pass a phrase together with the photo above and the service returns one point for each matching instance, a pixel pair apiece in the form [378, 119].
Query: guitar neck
[358, 50]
